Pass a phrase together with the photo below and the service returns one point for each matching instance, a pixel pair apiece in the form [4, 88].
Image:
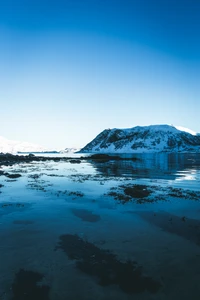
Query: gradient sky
[71, 68]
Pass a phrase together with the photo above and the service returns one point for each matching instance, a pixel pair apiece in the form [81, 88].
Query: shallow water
[58, 220]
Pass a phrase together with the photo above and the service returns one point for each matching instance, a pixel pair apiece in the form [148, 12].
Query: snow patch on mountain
[186, 130]
[139, 139]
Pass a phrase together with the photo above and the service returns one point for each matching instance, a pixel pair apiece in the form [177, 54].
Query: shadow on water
[25, 286]
[85, 215]
[151, 165]
[181, 226]
[104, 265]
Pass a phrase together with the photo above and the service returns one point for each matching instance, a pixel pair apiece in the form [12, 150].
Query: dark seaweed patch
[12, 205]
[75, 161]
[54, 175]
[182, 193]
[181, 226]
[136, 190]
[126, 193]
[78, 194]
[104, 265]
[39, 185]
[35, 176]
[12, 176]
[1, 185]
[25, 286]
[85, 215]
[119, 196]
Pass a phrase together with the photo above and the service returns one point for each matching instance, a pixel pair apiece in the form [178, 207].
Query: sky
[72, 68]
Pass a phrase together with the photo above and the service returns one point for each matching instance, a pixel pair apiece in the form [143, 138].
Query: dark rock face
[148, 138]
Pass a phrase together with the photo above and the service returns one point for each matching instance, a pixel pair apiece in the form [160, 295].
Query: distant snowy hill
[10, 146]
[70, 150]
[153, 138]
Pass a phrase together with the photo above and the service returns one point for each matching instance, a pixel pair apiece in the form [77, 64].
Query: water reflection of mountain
[158, 165]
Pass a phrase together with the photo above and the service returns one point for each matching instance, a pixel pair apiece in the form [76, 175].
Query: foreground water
[95, 230]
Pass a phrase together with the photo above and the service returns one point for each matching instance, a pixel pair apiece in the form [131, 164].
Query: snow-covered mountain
[153, 138]
[10, 146]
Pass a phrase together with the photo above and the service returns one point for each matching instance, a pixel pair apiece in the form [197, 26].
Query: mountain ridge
[140, 139]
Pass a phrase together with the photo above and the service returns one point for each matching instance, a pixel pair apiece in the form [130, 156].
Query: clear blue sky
[71, 68]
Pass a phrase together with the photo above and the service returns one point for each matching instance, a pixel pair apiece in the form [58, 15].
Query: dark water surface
[114, 230]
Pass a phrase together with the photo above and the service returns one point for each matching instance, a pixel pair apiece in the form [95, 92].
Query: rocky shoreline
[7, 159]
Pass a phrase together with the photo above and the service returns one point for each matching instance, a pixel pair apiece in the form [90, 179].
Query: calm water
[57, 219]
